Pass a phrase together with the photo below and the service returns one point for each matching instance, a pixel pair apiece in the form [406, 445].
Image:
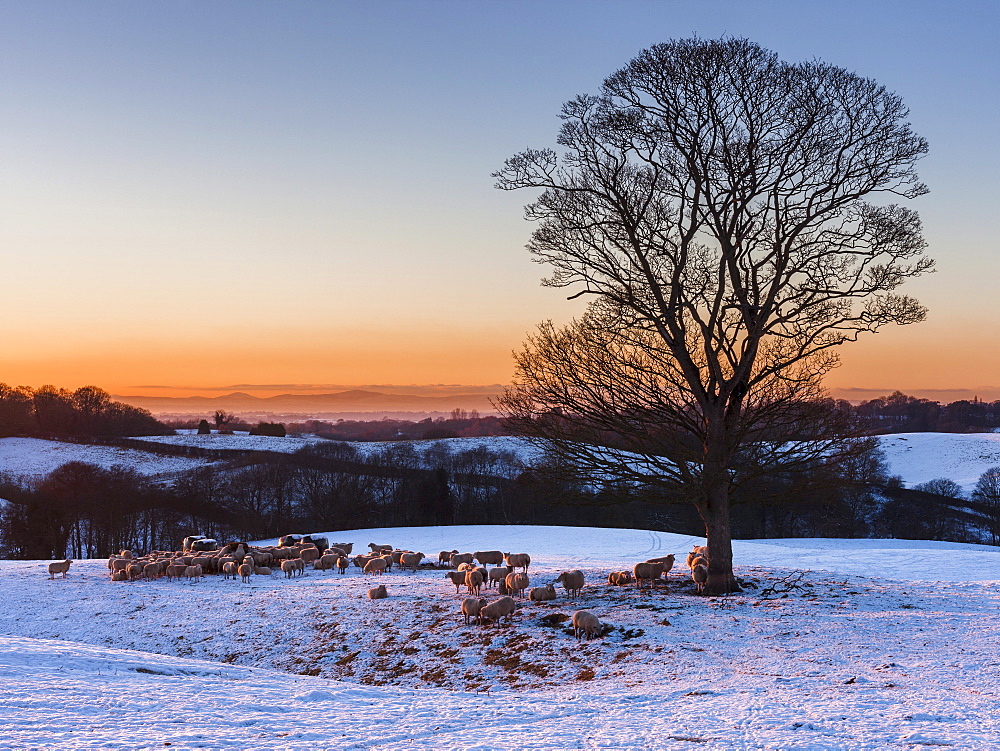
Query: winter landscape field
[832, 644]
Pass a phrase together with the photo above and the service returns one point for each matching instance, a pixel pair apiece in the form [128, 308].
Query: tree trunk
[715, 514]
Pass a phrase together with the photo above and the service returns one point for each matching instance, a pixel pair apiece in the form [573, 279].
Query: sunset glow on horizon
[196, 195]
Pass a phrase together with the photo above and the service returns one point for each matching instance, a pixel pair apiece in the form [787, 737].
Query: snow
[876, 643]
[962, 457]
[36, 457]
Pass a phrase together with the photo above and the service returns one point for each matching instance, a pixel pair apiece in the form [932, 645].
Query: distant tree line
[900, 413]
[81, 510]
[88, 411]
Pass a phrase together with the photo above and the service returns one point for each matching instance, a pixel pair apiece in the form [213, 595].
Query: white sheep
[376, 566]
[517, 560]
[647, 572]
[474, 581]
[572, 581]
[471, 608]
[411, 560]
[487, 557]
[541, 594]
[700, 575]
[619, 578]
[516, 584]
[586, 623]
[696, 552]
[246, 572]
[498, 609]
[59, 567]
[497, 574]
[378, 593]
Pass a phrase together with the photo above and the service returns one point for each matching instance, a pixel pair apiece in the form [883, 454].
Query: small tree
[987, 493]
[712, 201]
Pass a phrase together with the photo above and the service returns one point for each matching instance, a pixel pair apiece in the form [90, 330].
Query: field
[833, 644]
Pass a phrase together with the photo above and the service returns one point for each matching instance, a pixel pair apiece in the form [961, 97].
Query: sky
[200, 194]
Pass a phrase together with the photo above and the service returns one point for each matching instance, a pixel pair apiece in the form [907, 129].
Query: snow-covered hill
[820, 651]
[35, 457]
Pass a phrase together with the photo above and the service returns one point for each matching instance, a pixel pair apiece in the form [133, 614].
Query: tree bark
[715, 514]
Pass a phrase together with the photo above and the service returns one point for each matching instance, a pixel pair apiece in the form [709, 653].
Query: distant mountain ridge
[354, 400]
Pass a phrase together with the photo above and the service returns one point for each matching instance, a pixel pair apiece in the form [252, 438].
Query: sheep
[474, 581]
[388, 561]
[667, 561]
[517, 560]
[327, 562]
[342, 564]
[445, 556]
[360, 560]
[119, 576]
[347, 547]
[376, 566]
[262, 571]
[126, 554]
[457, 578]
[411, 560]
[151, 571]
[193, 572]
[246, 571]
[471, 607]
[494, 611]
[619, 578]
[59, 567]
[120, 564]
[572, 581]
[486, 557]
[397, 555]
[517, 583]
[460, 558]
[134, 571]
[699, 561]
[541, 594]
[585, 623]
[466, 566]
[498, 574]
[308, 555]
[378, 593]
[647, 572]
[700, 575]
[173, 571]
[379, 549]
[502, 588]
[696, 551]
[289, 567]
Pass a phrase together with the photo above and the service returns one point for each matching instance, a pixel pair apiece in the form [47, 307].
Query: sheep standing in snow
[498, 609]
[445, 556]
[471, 608]
[376, 566]
[246, 572]
[698, 551]
[700, 575]
[667, 561]
[459, 558]
[572, 581]
[647, 572]
[59, 567]
[342, 564]
[411, 560]
[488, 557]
[516, 584]
[457, 578]
[497, 574]
[474, 581]
[586, 623]
[517, 560]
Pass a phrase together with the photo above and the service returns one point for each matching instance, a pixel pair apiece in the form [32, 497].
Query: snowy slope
[35, 457]
[845, 660]
[919, 457]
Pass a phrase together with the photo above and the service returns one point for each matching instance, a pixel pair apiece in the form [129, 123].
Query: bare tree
[715, 203]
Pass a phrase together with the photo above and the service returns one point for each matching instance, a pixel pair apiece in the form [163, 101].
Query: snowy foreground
[834, 644]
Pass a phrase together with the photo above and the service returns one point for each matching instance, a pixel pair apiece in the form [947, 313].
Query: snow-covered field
[920, 457]
[35, 457]
[867, 644]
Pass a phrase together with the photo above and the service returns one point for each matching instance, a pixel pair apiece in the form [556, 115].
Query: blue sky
[301, 191]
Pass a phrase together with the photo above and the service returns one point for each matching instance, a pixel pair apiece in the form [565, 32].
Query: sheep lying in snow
[517, 583]
[378, 593]
[572, 581]
[700, 575]
[494, 611]
[585, 623]
[619, 578]
[262, 571]
[541, 594]
[517, 560]
[471, 607]
[59, 567]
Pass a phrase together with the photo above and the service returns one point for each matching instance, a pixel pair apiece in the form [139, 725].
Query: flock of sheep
[509, 575]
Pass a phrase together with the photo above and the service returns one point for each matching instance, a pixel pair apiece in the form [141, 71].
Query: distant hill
[354, 400]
